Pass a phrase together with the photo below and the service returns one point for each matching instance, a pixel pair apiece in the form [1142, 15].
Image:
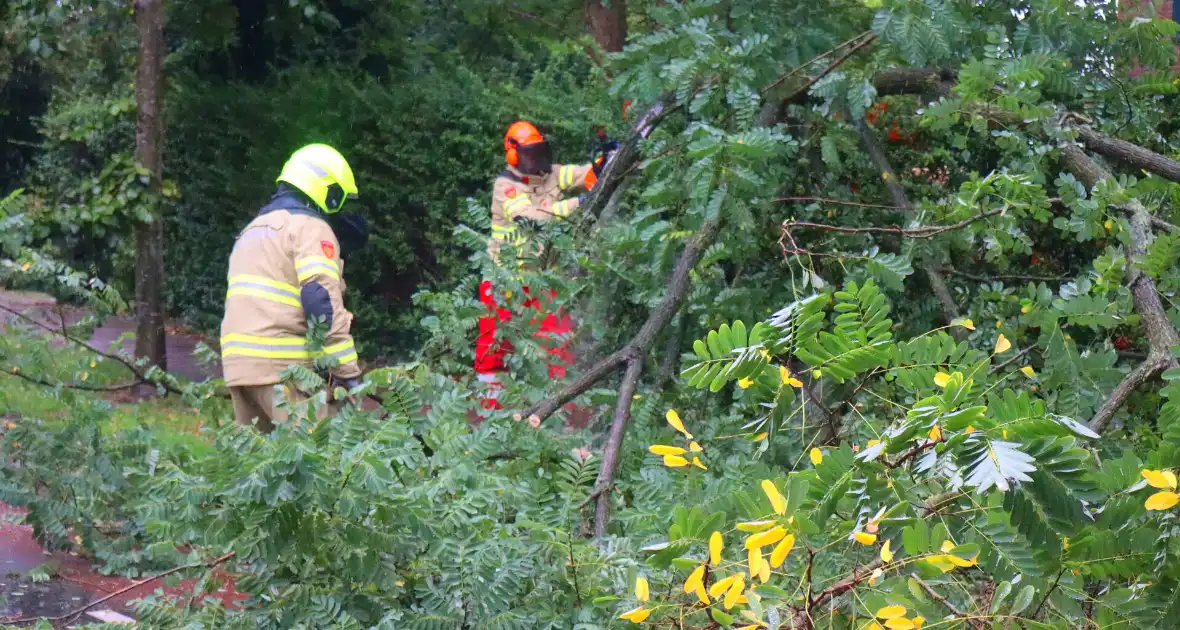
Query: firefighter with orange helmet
[285, 268]
[531, 188]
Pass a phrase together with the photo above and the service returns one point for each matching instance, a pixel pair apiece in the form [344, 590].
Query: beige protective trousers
[257, 403]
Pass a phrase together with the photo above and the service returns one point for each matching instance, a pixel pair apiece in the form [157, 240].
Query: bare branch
[1161, 336]
[925, 231]
[839, 202]
[610, 452]
[802, 90]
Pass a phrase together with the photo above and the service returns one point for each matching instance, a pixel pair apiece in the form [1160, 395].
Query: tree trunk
[607, 22]
[149, 132]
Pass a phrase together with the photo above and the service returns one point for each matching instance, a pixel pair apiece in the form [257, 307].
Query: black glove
[529, 223]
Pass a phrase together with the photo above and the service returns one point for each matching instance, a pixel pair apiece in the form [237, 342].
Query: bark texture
[149, 135]
[607, 22]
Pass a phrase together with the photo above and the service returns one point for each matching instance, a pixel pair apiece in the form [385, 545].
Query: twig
[84, 388]
[835, 64]
[962, 274]
[1048, 593]
[910, 454]
[1160, 223]
[937, 597]
[839, 202]
[838, 589]
[1016, 357]
[134, 585]
[593, 495]
[808, 63]
[89, 348]
[925, 231]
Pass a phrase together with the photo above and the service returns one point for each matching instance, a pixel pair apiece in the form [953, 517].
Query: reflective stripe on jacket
[515, 195]
[284, 264]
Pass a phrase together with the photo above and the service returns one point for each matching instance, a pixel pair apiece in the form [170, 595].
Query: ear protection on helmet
[511, 156]
[335, 197]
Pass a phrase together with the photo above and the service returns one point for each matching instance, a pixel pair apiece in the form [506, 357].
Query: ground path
[74, 582]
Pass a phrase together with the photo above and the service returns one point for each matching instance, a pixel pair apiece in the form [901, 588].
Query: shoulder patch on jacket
[329, 248]
[510, 192]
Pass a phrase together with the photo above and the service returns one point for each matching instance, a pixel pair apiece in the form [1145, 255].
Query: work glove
[346, 383]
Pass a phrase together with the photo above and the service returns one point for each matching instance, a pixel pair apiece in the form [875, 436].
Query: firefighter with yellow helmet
[286, 267]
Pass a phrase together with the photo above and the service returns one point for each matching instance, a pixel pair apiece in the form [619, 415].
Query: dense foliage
[922, 373]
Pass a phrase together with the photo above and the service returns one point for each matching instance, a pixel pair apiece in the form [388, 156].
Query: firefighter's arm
[579, 177]
[321, 290]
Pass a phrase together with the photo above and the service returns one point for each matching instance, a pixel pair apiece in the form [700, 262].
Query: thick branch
[1161, 336]
[932, 81]
[937, 283]
[610, 452]
[1129, 154]
[657, 320]
[624, 159]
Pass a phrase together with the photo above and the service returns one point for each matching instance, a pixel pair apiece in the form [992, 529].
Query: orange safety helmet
[526, 147]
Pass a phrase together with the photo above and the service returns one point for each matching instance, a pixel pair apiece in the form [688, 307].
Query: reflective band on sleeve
[563, 208]
[505, 233]
[311, 266]
[345, 351]
[263, 288]
[565, 177]
[514, 204]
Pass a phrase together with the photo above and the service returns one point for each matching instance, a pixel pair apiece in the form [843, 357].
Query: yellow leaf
[695, 579]
[10, 425]
[696, 461]
[1109, 224]
[660, 449]
[1002, 344]
[755, 526]
[715, 545]
[873, 443]
[817, 456]
[779, 555]
[865, 538]
[745, 383]
[817, 374]
[755, 560]
[1028, 371]
[785, 375]
[675, 461]
[942, 379]
[701, 594]
[877, 573]
[761, 436]
[768, 537]
[642, 589]
[886, 552]
[947, 546]
[735, 591]
[722, 585]
[93, 364]
[918, 621]
[674, 420]
[968, 324]
[694, 447]
[638, 615]
[764, 572]
[874, 626]
[85, 375]
[959, 562]
[777, 500]
[1026, 308]
[1160, 478]
[1162, 500]
[941, 562]
[900, 623]
[752, 626]
[890, 612]
[935, 433]
[969, 429]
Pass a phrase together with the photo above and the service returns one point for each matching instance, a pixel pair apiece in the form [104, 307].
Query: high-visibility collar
[292, 203]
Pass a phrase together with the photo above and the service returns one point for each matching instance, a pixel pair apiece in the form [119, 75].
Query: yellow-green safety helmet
[322, 174]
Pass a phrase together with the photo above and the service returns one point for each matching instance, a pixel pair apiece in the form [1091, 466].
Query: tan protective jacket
[282, 261]
[534, 197]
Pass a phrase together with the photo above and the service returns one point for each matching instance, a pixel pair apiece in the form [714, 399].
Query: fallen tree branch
[141, 379]
[1129, 153]
[1161, 336]
[15, 372]
[639, 345]
[962, 274]
[610, 452]
[134, 585]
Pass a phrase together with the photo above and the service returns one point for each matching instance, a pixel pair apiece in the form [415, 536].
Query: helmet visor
[535, 159]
